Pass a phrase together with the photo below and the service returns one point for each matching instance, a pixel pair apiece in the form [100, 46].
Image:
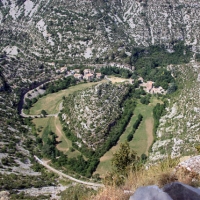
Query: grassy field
[50, 103]
[143, 136]
[53, 124]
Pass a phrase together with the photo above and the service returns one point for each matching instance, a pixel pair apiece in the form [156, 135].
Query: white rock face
[33, 10]
[88, 53]
[11, 50]
[1, 16]
[42, 27]
[14, 10]
[5, 2]
[178, 132]
[127, 22]
[28, 6]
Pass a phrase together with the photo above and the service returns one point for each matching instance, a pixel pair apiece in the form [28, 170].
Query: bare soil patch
[149, 131]
[117, 79]
[61, 136]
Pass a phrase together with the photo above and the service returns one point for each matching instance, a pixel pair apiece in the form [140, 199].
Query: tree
[124, 158]
[47, 150]
[172, 88]
[129, 137]
[145, 100]
[44, 113]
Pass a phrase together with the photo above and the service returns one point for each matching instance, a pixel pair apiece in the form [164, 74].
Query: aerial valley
[94, 93]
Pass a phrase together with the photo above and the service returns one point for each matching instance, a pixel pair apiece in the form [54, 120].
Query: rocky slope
[90, 113]
[178, 132]
[95, 30]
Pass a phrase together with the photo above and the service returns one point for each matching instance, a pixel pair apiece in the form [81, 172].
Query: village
[90, 75]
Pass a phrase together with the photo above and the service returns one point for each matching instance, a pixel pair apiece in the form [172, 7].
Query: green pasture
[143, 136]
[50, 103]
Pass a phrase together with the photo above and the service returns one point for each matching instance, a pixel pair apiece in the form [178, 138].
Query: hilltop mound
[89, 114]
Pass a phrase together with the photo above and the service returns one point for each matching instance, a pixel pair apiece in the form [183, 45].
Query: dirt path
[67, 176]
[60, 135]
[149, 131]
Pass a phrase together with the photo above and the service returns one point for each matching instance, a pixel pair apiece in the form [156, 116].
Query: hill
[91, 113]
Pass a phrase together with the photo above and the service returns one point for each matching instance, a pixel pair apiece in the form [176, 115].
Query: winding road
[51, 168]
[34, 116]
[67, 176]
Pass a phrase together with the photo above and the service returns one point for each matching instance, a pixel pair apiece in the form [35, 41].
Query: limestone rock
[180, 191]
[150, 193]
[192, 164]
[4, 195]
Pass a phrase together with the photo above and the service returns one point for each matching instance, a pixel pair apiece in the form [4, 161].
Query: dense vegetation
[198, 57]
[157, 56]
[145, 99]
[158, 111]
[48, 143]
[60, 84]
[150, 63]
[135, 127]
[119, 72]
[49, 149]
[124, 161]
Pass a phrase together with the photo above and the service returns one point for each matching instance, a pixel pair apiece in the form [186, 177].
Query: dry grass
[111, 193]
[155, 175]
[159, 174]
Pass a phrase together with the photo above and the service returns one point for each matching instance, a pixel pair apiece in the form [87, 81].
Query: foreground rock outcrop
[4, 195]
[192, 165]
[172, 191]
[150, 193]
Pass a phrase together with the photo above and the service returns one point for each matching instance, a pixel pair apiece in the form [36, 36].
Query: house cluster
[62, 70]
[149, 87]
[88, 74]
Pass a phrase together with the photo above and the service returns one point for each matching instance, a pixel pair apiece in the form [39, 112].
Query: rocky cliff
[95, 30]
